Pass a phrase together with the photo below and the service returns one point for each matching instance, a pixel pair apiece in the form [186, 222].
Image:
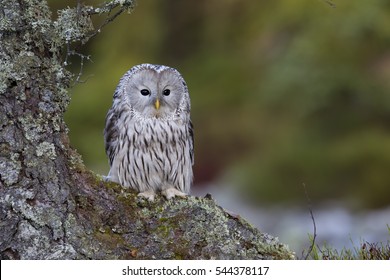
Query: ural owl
[148, 133]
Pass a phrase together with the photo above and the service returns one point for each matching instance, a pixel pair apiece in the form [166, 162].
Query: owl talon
[172, 192]
[149, 195]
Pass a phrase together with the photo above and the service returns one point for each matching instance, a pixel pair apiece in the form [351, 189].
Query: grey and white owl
[148, 133]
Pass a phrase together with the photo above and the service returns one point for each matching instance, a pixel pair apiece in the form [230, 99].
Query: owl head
[154, 91]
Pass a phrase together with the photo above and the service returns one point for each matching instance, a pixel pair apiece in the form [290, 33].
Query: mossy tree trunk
[51, 207]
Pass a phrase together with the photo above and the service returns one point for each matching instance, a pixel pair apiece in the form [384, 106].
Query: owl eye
[145, 92]
[166, 92]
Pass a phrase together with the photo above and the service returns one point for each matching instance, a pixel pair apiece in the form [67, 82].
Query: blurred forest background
[284, 93]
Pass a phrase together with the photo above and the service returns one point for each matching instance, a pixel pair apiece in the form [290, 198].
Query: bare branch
[107, 21]
[313, 220]
[82, 58]
[75, 26]
[111, 5]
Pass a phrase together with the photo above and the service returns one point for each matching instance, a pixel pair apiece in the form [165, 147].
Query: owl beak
[157, 104]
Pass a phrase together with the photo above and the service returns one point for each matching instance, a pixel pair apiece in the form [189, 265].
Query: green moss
[208, 225]
[126, 226]
[110, 239]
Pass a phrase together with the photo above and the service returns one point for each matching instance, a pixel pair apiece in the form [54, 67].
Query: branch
[107, 21]
[75, 28]
[108, 8]
[120, 225]
[82, 58]
[313, 242]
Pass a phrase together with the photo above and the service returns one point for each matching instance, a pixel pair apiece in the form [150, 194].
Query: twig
[82, 58]
[313, 220]
[88, 11]
[107, 21]
[107, 8]
[67, 53]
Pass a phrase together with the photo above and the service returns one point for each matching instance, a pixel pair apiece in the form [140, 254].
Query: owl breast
[154, 154]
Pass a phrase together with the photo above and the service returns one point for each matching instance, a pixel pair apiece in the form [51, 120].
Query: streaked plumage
[148, 133]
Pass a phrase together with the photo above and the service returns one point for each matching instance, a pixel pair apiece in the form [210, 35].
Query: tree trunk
[51, 206]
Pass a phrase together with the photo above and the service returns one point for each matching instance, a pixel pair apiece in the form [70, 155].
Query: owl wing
[191, 140]
[111, 134]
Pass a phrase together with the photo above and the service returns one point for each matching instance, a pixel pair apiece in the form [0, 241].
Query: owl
[149, 134]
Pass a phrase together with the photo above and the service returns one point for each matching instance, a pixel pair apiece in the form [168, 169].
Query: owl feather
[148, 134]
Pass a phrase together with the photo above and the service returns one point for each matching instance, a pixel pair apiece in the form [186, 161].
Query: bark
[51, 206]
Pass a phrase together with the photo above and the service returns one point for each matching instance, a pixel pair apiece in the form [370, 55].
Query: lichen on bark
[51, 206]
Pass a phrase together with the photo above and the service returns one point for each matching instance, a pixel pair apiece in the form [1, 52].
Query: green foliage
[283, 92]
[365, 251]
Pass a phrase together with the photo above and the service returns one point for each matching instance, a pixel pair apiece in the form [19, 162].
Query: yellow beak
[157, 104]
